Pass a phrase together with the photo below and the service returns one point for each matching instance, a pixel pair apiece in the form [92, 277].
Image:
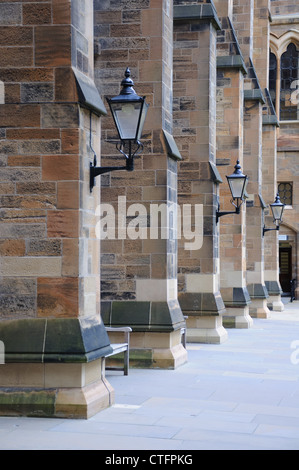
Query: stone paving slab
[240, 395]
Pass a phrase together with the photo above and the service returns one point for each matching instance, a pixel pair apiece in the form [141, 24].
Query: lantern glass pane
[126, 116]
[277, 211]
[142, 119]
[237, 186]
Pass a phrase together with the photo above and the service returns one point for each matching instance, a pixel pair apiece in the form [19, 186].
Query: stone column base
[160, 350]
[155, 341]
[275, 303]
[259, 309]
[54, 390]
[237, 317]
[207, 329]
[204, 312]
[54, 367]
[274, 300]
[258, 306]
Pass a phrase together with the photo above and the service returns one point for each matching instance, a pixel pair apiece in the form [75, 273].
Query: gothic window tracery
[284, 83]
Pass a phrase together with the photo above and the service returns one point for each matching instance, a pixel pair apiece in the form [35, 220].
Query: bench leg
[126, 362]
[183, 333]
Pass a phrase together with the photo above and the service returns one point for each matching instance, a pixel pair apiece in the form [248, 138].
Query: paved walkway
[242, 394]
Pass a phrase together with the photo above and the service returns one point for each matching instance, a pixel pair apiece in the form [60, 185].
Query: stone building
[221, 80]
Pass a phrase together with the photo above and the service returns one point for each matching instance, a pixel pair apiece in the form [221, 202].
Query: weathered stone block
[60, 167]
[12, 115]
[43, 247]
[63, 224]
[57, 297]
[39, 92]
[10, 14]
[52, 45]
[12, 35]
[36, 14]
[60, 115]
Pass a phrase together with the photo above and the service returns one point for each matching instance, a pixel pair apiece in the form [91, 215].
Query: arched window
[289, 84]
[284, 83]
[273, 77]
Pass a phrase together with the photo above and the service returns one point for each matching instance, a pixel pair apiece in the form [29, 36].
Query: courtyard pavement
[239, 395]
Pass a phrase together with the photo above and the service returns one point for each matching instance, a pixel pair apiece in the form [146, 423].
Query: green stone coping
[171, 146]
[215, 173]
[254, 95]
[54, 340]
[204, 11]
[270, 120]
[241, 298]
[232, 61]
[144, 316]
[273, 287]
[263, 204]
[257, 291]
[89, 96]
[202, 303]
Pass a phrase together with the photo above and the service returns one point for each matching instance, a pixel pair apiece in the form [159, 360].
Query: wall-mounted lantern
[237, 183]
[129, 112]
[277, 208]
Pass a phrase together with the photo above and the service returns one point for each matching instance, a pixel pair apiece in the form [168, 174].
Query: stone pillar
[198, 178]
[230, 98]
[139, 270]
[261, 28]
[253, 102]
[271, 242]
[261, 64]
[255, 206]
[50, 320]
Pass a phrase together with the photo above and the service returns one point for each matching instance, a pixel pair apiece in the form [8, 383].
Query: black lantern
[237, 183]
[129, 112]
[277, 208]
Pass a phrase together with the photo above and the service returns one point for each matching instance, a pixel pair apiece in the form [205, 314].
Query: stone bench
[120, 347]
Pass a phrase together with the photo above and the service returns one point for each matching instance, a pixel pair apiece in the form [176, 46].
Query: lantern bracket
[129, 156]
[220, 214]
